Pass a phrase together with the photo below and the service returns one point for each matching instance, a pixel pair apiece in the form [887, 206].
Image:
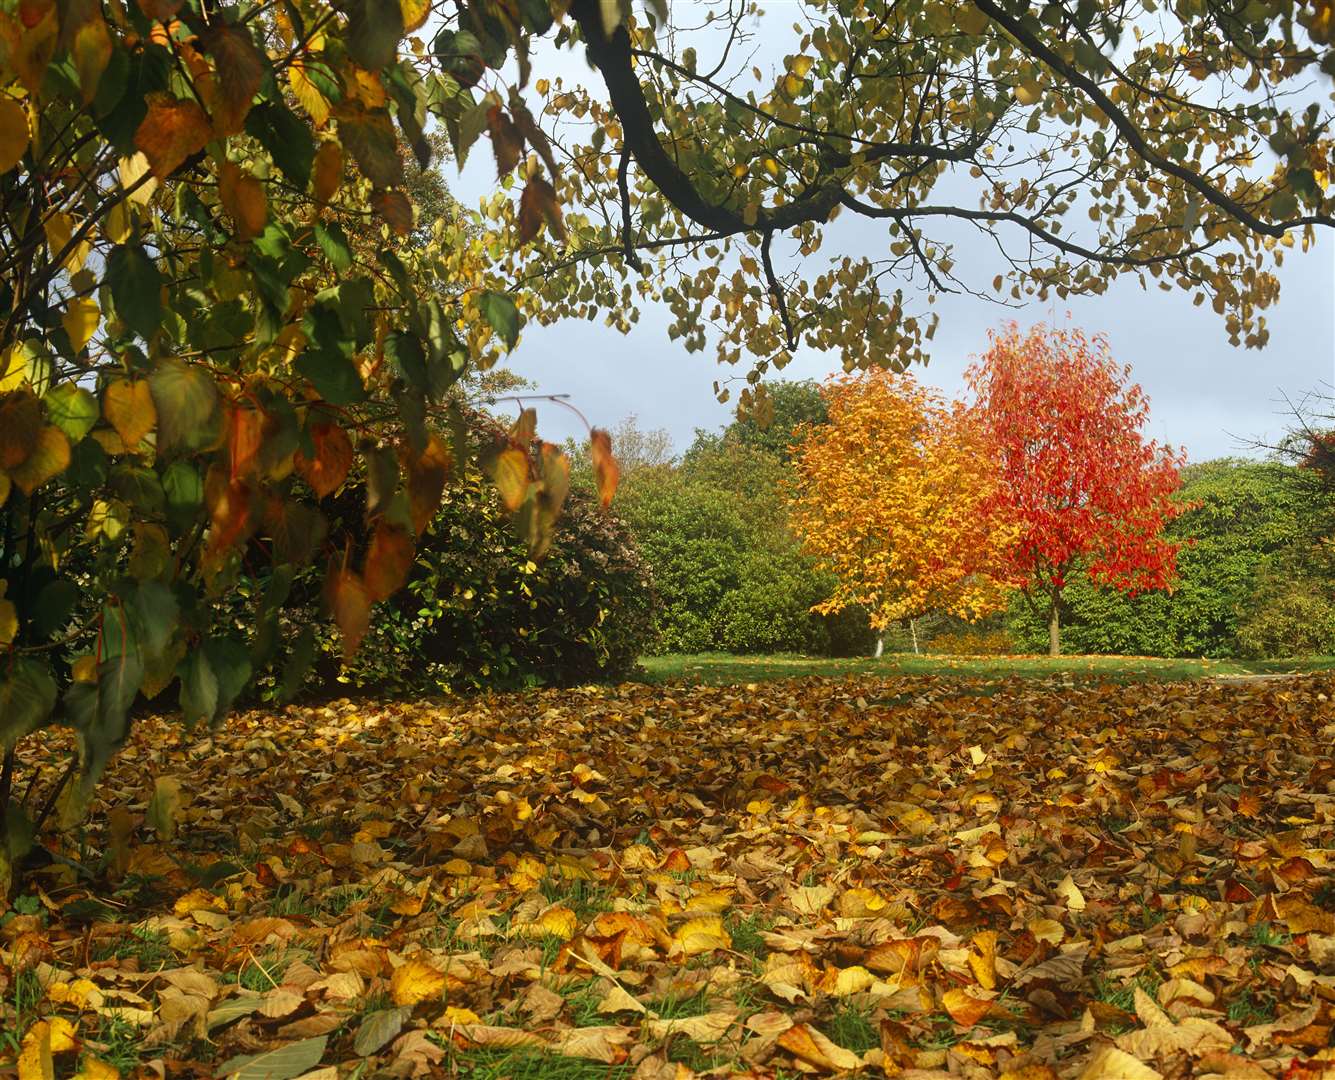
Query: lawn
[719, 669]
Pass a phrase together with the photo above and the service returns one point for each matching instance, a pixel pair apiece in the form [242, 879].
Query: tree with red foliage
[1088, 493]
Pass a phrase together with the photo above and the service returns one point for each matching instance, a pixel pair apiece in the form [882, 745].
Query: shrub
[478, 613]
[995, 642]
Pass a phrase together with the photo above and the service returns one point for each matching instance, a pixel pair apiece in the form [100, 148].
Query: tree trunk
[1055, 630]
[880, 645]
[913, 629]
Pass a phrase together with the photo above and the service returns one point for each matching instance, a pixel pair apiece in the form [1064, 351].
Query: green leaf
[375, 28]
[406, 354]
[281, 1063]
[27, 696]
[212, 678]
[72, 409]
[335, 377]
[287, 139]
[298, 665]
[187, 406]
[184, 489]
[333, 242]
[55, 606]
[502, 315]
[136, 288]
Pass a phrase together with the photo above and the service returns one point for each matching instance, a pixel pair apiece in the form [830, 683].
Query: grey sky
[1206, 395]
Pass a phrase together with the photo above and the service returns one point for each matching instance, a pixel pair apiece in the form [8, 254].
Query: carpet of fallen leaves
[906, 877]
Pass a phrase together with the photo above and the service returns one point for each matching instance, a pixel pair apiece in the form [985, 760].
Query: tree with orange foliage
[1086, 491]
[891, 496]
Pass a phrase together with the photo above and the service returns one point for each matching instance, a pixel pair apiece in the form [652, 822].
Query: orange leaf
[351, 606]
[245, 437]
[240, 67]
[333, 459]
[506, 142]
[963, 1008]
[243, 198]
[20, 424]
[810, 1045]
[388, 561]
[172, 130]
[427, 473]
[606, 471]
[49, 458]
[327, 171]
[395, 209]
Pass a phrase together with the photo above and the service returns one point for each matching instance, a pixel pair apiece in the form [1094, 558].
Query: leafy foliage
[725, 562]
[1242, 523]
[809, 876]
[896, 497]
[1088, 494]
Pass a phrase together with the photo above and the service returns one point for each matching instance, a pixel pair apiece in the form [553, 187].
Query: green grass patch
[150, 948]
[851, 1028]
[531, 1065]
[720, 669]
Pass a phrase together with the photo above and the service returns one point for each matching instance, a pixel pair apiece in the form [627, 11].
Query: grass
[719, 669]
[149, 948]
[851, 1028]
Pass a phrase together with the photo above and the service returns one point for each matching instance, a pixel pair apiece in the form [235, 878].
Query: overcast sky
[1207, 396]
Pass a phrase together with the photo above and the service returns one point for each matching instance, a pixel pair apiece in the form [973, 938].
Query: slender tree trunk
[913, 629]
[1055, 630]
[880, 645]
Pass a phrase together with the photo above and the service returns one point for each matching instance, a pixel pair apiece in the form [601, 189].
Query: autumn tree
[1086, 492]
[892, 496]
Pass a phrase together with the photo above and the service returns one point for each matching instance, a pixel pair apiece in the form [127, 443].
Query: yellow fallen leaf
[702, 935]
[1049, 930]
[983, 959]
[1070, 892]
[558, 921]
[1109, 1063]
[415, 980]
[812, 1046]
[96, 1069]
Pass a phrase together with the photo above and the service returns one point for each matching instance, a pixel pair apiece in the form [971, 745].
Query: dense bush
[1244, 518]
[477, 612]
[730, 574]
[973, 642]
[1291, 611]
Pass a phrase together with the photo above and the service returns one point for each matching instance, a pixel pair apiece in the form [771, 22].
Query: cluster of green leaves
[1249, 580]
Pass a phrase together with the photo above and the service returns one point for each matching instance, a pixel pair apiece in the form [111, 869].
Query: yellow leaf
[1070, 892]
[852, 980]
[1109, 1063]
[511, 478]
[1028, 92]
[9, 622]
[133, 170]
[964, 1008]
[84, 669]
[558, 921]
[414, 981]
[14, 134]
[5, 485]
[49, 459]
[702, 935]
[1048, 930]
[80, 321]
[44, 1038]
[983, 959]
[96, 1069]
[801, 66]
[128, 407]
[306, 92]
